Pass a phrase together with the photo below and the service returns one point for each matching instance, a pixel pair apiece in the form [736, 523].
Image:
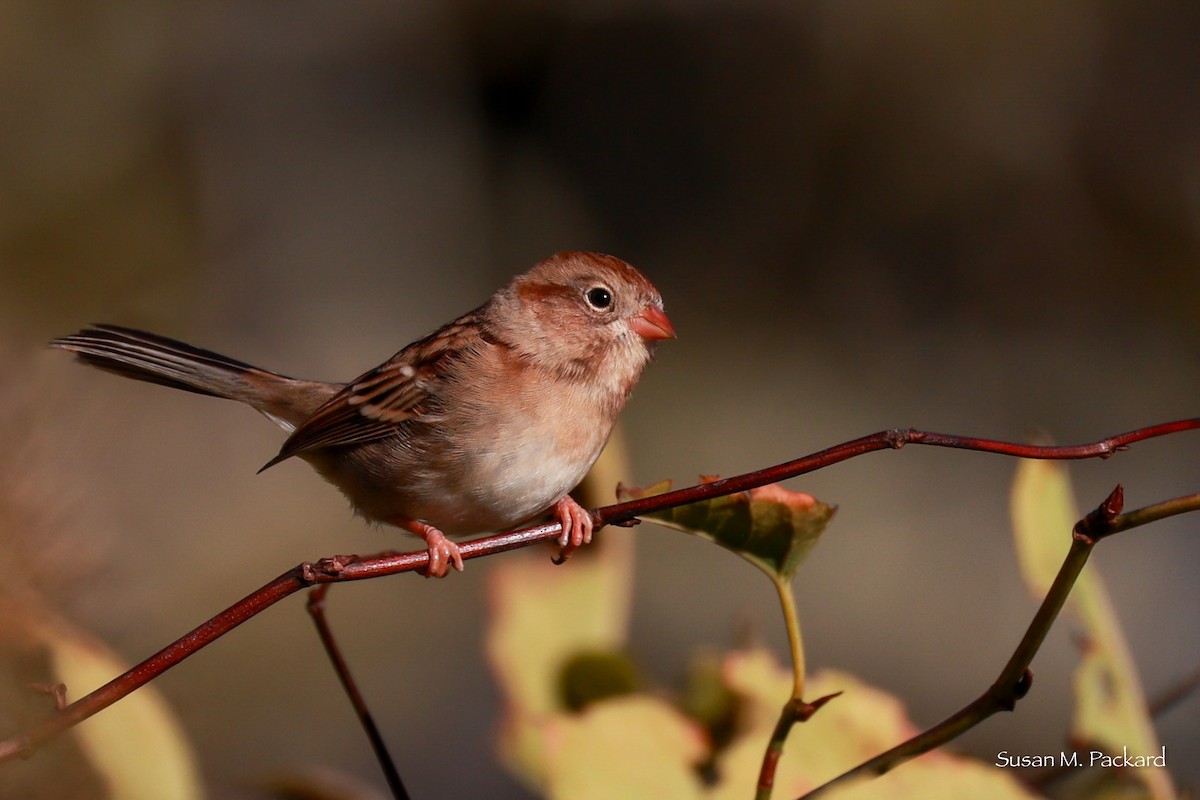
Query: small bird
[485, 423]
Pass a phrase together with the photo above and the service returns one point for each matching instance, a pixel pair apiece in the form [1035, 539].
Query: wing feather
[378, 402]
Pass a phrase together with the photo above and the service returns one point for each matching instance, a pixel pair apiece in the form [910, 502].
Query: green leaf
[708, 700]
[590, 676]
[1110, 706]
[771, 527]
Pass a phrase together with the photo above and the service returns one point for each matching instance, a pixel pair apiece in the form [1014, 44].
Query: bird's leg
[577, 526]
[442, 551]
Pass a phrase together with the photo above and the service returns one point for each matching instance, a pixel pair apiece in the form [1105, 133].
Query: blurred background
[966, 218]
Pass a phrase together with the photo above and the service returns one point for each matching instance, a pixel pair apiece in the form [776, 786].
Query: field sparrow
[484, 424]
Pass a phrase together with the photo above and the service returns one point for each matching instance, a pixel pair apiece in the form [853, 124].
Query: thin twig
[892, 439]
[316, 610]
[1175, 693]
[347, 568]
[1016, 678]
[794, 710]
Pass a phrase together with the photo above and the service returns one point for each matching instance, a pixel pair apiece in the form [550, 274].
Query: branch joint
[1099, 522]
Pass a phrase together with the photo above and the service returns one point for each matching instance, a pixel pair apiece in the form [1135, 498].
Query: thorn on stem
[1111, 451]
[804, 710]
[1096, 525]
[1024, 684]
[1006, 695]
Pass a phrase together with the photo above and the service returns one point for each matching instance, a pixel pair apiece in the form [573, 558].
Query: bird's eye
[598, 297]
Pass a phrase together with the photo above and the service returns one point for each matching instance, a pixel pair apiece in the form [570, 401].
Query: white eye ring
[599, 297]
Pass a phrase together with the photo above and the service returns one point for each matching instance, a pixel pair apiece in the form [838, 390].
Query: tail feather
[157, 359]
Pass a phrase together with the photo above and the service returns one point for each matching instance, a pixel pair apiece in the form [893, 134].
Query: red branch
[353, 568]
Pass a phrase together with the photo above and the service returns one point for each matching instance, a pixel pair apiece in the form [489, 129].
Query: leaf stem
[795, 709]
[791, 620]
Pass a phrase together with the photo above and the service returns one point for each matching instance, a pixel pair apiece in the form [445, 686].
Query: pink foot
[576, 526]
[442, 551]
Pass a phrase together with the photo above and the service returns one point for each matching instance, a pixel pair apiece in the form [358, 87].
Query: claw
[442, 551]
[577, 526]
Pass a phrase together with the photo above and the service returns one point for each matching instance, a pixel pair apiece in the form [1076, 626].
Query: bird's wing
[374, 405]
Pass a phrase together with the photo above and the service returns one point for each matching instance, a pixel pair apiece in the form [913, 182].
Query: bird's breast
[531, 458]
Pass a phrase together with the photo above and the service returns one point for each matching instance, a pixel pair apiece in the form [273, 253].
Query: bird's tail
[157, 359]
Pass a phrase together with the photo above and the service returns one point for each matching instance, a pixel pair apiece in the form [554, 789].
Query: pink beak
[652, 324]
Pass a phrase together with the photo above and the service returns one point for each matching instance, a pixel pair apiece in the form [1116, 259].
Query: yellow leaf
[135, 748]
[625, 747]
[1110, 707]
[137, 745]
[542, 617]
[859, 724]
[1043, 512]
